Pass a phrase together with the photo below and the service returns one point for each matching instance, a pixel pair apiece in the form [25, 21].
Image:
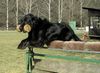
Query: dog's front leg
[23, 44]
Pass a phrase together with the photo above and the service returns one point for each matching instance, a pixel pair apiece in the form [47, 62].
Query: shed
[94, 22]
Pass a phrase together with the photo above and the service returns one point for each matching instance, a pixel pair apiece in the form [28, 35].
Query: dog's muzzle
[18, 28]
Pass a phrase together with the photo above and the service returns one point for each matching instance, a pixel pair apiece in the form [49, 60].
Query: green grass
[12, 60]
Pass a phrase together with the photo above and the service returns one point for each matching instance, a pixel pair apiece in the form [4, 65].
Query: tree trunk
[69, 11]
[72, 2]
[30, 5]
[27, 11]
[49, 5]
[59, 11]
[81, 5]
[7, 27]
[37, 10]
[17, 12]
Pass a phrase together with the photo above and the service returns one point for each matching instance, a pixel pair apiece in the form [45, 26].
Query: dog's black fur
[43, 32]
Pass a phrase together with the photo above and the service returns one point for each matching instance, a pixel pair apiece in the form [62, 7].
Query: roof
[91, 9]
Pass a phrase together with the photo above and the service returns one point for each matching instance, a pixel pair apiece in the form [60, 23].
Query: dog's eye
[28, 20]
[20, 21]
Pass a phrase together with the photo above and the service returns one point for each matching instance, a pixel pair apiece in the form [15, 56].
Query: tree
[30, 6]
[38, 11]
[48, 5]
[7, 26]
[70, 14]
[60, 10]
[49, 9]
[27, 8]
[17, 11]
[72, 3]
[81, 12]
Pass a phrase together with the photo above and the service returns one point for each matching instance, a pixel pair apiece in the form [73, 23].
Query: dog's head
[26, 23]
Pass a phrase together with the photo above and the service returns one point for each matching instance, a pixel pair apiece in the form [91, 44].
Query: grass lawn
[12, 60]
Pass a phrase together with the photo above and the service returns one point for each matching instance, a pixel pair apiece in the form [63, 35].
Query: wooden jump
[76, 45]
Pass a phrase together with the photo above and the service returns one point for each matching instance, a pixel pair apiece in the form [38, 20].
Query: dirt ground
[53, 66]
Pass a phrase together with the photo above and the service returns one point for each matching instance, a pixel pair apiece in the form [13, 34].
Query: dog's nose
[18, 28]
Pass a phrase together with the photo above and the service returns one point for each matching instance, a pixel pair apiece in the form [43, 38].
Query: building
[93, 21]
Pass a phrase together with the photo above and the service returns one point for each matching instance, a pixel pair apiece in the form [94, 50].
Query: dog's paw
[24, 44]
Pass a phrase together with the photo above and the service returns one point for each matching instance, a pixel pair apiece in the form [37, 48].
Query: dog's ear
[23, 44]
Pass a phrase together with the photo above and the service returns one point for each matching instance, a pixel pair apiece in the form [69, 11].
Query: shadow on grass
[35, 62]
[46, 70]
[38, 60]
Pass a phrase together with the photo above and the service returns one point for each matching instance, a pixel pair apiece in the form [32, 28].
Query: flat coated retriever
[41, 31]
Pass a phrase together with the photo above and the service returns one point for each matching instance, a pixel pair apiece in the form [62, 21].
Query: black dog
[43, 32]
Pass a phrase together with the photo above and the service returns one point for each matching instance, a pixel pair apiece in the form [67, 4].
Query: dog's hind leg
[68, 37]
[73, 36]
